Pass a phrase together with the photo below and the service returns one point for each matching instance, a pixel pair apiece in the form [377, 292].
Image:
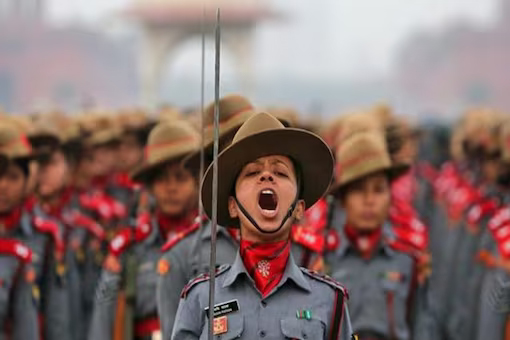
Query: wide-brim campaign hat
[264, 135]
[234, 110]
[168, 141]
[14, 144]
[361, 155]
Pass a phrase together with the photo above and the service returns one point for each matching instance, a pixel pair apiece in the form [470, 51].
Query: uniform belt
[147, 326]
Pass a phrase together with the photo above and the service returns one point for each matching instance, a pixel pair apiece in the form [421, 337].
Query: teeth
[267, 191]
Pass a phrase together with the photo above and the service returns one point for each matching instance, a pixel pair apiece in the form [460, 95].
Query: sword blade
[212, 264]
[202, 123]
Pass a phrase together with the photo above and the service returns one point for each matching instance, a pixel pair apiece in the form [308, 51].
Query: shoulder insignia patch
[326, 279]
[202, 278]
[163, 266]
[16, 248]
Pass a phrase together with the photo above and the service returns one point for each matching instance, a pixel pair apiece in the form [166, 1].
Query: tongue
[267, 201]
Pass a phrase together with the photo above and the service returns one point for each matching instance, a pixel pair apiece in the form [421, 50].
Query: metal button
[263, 303]
[304, 335]
[262, 334]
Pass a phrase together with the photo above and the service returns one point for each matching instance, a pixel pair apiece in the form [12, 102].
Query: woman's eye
[281, 174]
[251, 173]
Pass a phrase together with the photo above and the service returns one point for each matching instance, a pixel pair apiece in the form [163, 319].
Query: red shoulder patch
[175, 238]
[308, 238]
[16, 248]
[122, 240]
[51, 228]
[77, 219]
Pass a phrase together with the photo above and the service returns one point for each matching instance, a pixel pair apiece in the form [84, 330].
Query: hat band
[358, 159]
[152, 148]
[22, 140]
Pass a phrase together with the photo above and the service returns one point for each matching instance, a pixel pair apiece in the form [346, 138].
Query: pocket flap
[302, 329]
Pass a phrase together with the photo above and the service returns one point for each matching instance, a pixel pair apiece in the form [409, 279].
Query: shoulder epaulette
[326, 279]
[121, 241]
[177, 237]
[202, 278]
[80, 220]
[53, 229]
[16, 248]
[308, 238]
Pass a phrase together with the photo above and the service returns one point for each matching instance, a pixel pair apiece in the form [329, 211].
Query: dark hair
[340, 194]
[23, 164]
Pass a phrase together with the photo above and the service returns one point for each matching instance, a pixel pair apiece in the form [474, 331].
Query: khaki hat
[480, 127]
[13, 142]
[288, 116]
[264, 135]
[358, 122]
[167, 141]
[234, 110]
[103, 129]
[504, 141]
[361, 155]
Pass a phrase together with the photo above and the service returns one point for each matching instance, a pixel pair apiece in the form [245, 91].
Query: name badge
[224, 308]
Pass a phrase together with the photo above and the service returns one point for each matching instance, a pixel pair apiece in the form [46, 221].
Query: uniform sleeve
[103, 315]
[169, 287]
[25, 324]
[189, 321]
[346, 331]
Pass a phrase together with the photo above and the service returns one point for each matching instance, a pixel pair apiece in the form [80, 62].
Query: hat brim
[394, 172]
[145, 172]
[304, 148]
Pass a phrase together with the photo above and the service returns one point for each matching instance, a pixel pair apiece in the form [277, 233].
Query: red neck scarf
[173, 225]
[364, 242]
[100, 182]
[10, 220]
[265, 263]
[55, 209]
[124, 180]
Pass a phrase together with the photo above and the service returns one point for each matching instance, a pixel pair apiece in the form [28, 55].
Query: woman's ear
[232, 207]
[299, 212]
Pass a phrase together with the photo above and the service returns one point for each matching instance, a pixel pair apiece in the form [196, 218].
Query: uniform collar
[384, 247]
[292, 272]
[207, 233]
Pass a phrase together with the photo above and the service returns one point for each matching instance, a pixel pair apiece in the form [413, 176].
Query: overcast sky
[322, 38]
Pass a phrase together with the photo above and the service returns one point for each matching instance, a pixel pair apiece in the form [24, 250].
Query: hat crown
[229, 106]
[169, 139]
[360, 155]
[257, 123]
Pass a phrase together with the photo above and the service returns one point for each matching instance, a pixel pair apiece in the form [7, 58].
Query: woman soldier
[380, 278]
[267, 176]
[125, 306]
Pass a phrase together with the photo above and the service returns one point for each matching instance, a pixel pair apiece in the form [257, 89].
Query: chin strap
[290, 211]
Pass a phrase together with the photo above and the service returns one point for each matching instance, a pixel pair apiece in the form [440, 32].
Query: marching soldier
[268, 175]
[125, 306]
[190, 257]
[379, 273]
[43, 236]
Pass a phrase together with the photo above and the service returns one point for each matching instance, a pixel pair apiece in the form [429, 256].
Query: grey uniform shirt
[379, 288]
[273, 317]
[187, 259]
[17, 305]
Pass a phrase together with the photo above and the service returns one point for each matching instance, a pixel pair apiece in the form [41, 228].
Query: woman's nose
[266, 176]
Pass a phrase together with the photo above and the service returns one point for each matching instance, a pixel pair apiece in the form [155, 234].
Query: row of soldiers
[101, 236]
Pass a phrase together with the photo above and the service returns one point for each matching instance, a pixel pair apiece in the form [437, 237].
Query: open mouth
[268, 202]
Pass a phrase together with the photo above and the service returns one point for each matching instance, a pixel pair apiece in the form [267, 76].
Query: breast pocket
[230, 329]
[293, 328]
